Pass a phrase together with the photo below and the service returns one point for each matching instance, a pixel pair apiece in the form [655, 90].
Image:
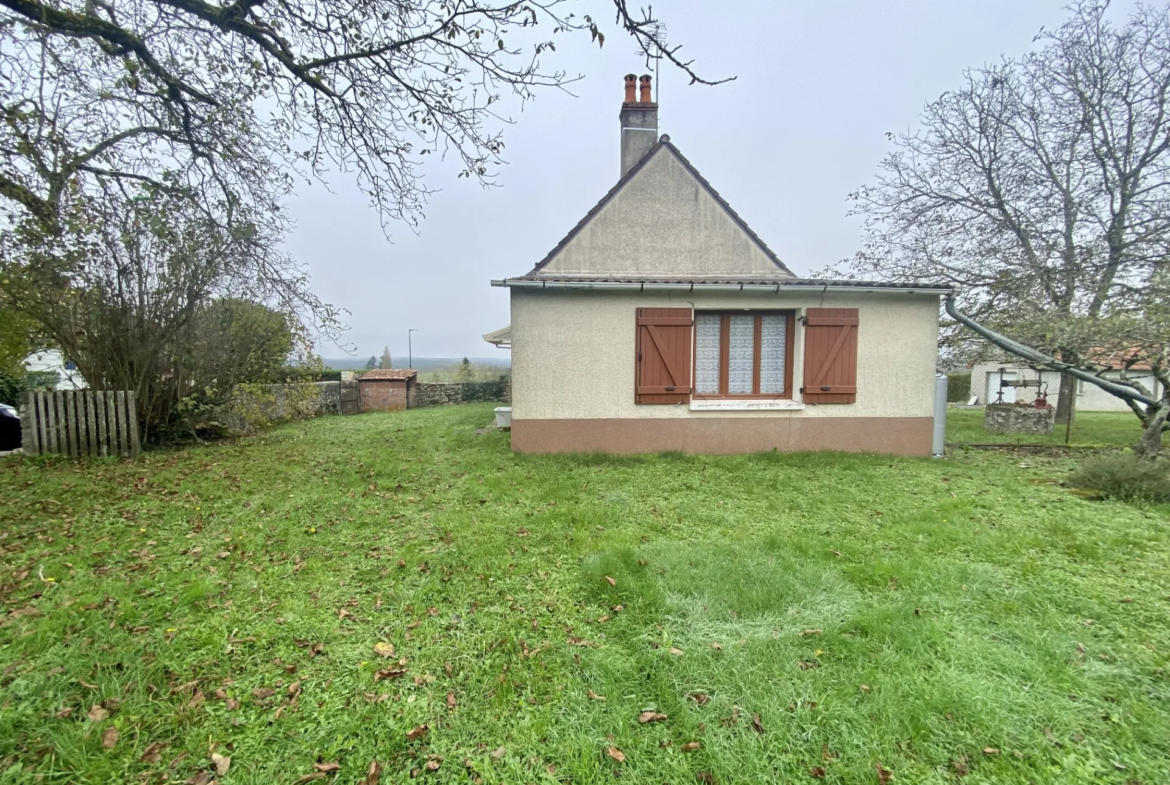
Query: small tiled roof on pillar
[384, 374]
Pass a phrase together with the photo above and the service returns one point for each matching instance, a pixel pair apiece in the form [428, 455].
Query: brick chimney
[639, 121]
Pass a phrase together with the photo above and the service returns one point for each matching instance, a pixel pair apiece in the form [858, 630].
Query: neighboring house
[986, 376]
[68, 377]
[501, 338]
[662, 322]
[385, 390]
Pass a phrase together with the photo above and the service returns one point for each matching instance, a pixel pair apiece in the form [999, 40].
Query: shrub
[484, 391]
[13, 388]
[958, 387]
[1125, 477]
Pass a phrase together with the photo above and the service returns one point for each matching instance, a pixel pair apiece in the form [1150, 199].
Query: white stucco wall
[664, 223]
[573, 352]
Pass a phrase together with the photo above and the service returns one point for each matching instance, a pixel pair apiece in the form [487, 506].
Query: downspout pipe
[938, 445]
[1018, 349]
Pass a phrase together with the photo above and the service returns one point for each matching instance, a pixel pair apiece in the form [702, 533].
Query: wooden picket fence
[81, 423]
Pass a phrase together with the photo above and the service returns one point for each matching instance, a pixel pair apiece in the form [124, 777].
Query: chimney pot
[631, 81]
[645, 80]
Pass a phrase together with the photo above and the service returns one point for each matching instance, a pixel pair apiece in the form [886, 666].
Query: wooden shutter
[830, 355]
[663, 369]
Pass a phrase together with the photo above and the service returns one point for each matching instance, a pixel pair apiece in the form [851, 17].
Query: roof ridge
[663, 141]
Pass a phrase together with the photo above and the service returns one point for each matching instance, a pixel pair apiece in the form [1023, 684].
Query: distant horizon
[419, 363]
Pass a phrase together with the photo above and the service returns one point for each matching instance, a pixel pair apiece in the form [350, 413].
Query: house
[986, 377]
[386, 390]
[663, 322]
[52, 361]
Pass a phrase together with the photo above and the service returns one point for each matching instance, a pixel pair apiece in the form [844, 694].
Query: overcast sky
[819, 85]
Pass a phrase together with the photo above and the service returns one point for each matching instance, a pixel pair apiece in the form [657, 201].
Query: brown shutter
[830, 355]
[663, 369]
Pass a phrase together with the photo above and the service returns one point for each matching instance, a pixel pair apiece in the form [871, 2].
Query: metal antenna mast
[657, 32]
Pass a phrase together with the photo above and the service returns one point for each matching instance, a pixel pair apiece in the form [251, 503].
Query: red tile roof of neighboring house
[1130, 358]
[383, 374]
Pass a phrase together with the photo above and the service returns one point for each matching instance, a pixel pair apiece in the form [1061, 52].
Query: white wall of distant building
[69, 378]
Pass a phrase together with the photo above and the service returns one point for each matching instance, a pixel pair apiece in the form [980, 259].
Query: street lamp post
[410, 348]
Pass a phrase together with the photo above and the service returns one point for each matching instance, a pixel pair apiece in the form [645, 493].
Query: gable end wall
[663, 223]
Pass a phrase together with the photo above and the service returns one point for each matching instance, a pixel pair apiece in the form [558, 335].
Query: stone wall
[255, 406]
[1017, 418]
[437, 394]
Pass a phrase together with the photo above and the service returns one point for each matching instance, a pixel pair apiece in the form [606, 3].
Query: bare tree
[148, 294]
[1039, 187]
[231, 101]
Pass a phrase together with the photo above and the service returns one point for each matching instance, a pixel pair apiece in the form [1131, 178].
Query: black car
[9, 428]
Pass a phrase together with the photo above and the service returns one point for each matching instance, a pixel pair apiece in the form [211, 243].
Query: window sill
[745, 405]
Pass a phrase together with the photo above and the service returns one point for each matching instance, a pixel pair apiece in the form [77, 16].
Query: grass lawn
[793, 616]
[1090, 429]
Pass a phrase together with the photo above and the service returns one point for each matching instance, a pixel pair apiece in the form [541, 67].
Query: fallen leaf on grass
[959, 764]
[450, 700]
[716, 646]
[417, 732]
[384, 649]
[610, 581]
[676, 652]
[885, 776]
[817, 772]
[110, 737]
[263, 693]
[866, 688]
[705, 777]
[151, 753]
[232, 704]
[757, 726]
[389, 673]
[221, 762]
[202, 778]
[373, 774]
[65, 712]
[806, 633]
[650, 716]
[310, 778]
[327, 767]
[690, 746]
[434, 762]
[498, 753]
[700, 698]
[616, 754]
[594, 696]
[97, 713]
[990, 751]
[826, 753]
[806, 665]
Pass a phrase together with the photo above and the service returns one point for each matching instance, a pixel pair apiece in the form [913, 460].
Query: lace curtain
[741, 353]
[773, 340]
[707, 354]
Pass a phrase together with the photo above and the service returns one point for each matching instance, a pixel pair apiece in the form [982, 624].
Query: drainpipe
[938, 447]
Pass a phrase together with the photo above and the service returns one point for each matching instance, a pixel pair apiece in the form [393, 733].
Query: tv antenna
[656, 31]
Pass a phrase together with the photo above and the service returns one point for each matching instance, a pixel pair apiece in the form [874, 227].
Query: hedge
[958, 387]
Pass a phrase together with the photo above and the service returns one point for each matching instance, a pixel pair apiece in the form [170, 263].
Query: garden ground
[395, 588]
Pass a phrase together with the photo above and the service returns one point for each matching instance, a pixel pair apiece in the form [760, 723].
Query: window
[743, 354]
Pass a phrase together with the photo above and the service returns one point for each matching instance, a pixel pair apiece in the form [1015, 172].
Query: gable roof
[663, 142]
